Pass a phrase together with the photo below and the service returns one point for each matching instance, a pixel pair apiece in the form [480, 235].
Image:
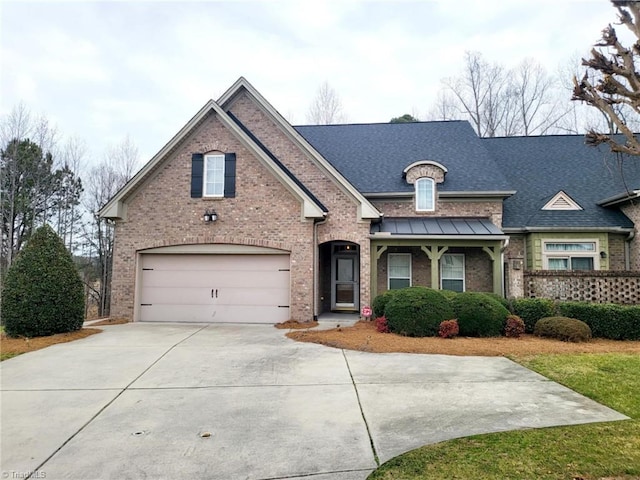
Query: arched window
[425, 195]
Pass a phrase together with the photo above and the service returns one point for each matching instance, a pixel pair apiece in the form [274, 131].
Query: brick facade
[444, 208]
[264, 213]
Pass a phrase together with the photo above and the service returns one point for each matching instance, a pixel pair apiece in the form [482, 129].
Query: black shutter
[197, 172]
[230, 175]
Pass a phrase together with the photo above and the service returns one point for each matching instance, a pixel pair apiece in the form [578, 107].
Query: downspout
[316, 265]
[627, 249]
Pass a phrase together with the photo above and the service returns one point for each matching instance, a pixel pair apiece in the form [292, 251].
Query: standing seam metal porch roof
[444, 226]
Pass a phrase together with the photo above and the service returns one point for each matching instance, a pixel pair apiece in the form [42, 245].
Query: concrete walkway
[244, 402]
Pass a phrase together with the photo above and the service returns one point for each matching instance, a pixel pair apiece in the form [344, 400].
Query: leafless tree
[102, 183]
[445, 107]
[326, 107]
[525, 100]
[611, 83]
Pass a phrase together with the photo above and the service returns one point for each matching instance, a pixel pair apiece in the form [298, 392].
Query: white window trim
[389, 277]
[464, 270]
[433, 194]
[204, 175]
[546, 255]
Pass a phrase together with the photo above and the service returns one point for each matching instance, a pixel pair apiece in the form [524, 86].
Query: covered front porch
[459, 254]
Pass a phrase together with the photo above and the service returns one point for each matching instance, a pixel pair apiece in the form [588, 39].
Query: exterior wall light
[210, 216]
[603, 254]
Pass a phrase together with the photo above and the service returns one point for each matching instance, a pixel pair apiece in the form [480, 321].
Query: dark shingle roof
[539, 167]
[373, 156]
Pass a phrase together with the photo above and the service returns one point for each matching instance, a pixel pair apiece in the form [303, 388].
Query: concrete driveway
[244, 402]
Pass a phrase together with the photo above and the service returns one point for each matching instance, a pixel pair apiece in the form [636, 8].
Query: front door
[345, 285]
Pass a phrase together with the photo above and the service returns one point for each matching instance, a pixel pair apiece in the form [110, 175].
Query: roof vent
[561, 201]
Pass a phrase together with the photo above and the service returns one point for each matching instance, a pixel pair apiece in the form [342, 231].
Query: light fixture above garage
[210, 216]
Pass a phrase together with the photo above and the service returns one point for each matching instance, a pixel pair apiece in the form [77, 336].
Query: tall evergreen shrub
[43, 293]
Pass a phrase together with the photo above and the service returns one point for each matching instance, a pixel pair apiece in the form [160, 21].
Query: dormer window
[424, 175]
[425, 195]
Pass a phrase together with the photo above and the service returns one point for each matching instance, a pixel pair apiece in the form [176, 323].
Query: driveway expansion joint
[364, 418]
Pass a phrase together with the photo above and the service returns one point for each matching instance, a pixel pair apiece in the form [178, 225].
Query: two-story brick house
[243, 218]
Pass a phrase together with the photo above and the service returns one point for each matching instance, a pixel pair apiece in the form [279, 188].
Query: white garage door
[214, 288]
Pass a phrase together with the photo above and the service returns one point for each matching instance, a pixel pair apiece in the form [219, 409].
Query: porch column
[496, 257]
[434, 253]
[376, 253]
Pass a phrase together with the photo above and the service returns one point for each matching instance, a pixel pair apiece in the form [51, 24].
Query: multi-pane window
[570, 255]
[452, 272]
[425, 195]
[399, 270]
[214, 175]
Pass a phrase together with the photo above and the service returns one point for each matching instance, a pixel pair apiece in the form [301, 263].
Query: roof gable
[561, 201]
[116, 206]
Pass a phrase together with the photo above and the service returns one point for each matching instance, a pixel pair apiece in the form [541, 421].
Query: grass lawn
[603, 451]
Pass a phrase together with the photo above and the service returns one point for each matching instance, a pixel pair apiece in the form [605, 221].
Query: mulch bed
[294, 324]
[363, 336]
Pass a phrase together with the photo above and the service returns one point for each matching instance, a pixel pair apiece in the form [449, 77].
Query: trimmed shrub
[514, 327]
[563, 328]
[448, 294]
[382, 325]
[449, 329]
[606, 320]
[479, 315]
[530, 310]
[43, 293]
[503, 301]
[417, 311]
[380, 302]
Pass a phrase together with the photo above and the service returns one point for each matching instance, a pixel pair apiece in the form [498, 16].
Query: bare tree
[525, 100]
[480, 91]
[445, 107]
[611, 83]
[326, 107]
[102, 183]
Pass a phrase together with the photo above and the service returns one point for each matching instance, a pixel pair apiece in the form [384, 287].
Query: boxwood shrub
[530, 310]
[42, 293]
[479, 314]
[606, 320]
[563, 328]
[417, 311]
[380, 302]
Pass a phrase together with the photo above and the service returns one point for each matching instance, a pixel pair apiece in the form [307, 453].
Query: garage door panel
[212, 279]
[215, 262]
[214, 288]
[204, 296]
[211, 314]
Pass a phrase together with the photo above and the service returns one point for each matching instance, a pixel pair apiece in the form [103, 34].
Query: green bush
[606, 320]
[479, 315]
[417, 311]
[380, 302]
[448, 294]
[503, 301]
[530, 310]
[563, 328]
[43, 293]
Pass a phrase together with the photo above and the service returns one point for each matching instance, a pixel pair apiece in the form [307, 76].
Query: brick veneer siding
[422, 171]
[514, 257]
[263, 213]
[342, 222]
[478, 268]
[632, 211]
[444, 208]
[616, 252]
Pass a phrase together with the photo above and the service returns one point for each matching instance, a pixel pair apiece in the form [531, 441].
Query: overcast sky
[104, 70]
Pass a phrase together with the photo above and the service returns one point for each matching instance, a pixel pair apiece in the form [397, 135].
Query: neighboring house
[242, 217]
